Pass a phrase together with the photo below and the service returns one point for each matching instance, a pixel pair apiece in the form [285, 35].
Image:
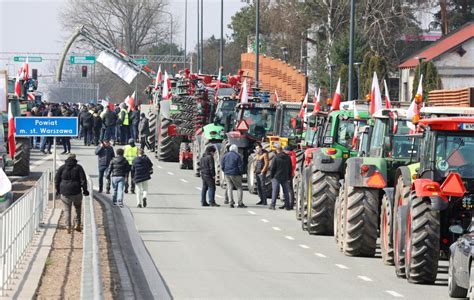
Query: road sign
[46, 126]
[82, 60]
[141, 61]
[30, 58]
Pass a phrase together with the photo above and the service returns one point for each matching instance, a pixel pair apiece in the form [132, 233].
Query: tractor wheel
[152, 136]
[221, 173]
[338, 217]
[196, 158]
[251, 177]
[21, 162]
[169, 145]
[341, 230]
[324, 191]
[401, 196]
[304, 192]
[296, 190]
[422, 241]
[268, 178]
[455, 291]
[360, 236]
[386, 221]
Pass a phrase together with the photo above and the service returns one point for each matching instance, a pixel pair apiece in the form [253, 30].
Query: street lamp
[221, 46]
[351, 49]
[198, 40]
[185, 31]
[357, 65]
[202, 35]
[257, 39]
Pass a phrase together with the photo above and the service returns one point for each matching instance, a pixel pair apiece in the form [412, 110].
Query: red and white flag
[303, 107]
[25, 70]
[356, 127]
[166, 87]
[130, 100]
[18, 86]
[159, 78]
[336, 100]
[275, 98]
[375, 96]
[414, 108]
[244, 93]
[106, 103]
[388, 104]
[11, 131]
[317, 101]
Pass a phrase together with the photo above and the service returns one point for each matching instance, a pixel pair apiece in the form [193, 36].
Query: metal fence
[18, 225]
[91, 279]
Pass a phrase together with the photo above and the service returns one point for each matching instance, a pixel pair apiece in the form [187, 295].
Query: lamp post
[198, 40]
[185, 31]
[221, 46]
[351, 50]
[202, 33]
[257, 39]
[357, 65]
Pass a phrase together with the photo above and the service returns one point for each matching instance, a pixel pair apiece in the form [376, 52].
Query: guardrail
[18, 225]
[91, 278]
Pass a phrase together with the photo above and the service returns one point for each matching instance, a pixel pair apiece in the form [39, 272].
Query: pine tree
[431, 79]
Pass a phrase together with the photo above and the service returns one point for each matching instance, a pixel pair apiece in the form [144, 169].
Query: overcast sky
[33, 25]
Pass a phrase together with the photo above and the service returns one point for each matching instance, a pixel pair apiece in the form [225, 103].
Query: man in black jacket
[144, 131]
[69, 180]
[142, 168]
[87, 124]
[208, 175]
[105, 154]
[118, 169]
[280, 172]
[109, 122]
[134, 121]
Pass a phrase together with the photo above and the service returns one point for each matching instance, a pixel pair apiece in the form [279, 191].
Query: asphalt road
[222, 253]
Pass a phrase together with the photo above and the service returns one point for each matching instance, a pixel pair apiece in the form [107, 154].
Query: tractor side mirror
[456, 229]
[387, 143]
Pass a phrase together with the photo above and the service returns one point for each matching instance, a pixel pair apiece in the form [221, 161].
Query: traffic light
[84, 71]
[35, 74]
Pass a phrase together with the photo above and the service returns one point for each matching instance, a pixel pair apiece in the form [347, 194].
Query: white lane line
[364, 278]
[276, 228]
[160, 167]
[289, 238]
[320, 255]
[265, 221]
[219, 196]
[198, 188]
[304, 246]
[252, 212]
[184, 180]
[170, 173]
[341, 266]
[395, 294]
[41, 161]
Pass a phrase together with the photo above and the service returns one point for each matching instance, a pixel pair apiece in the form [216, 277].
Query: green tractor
[211, 134]
[325, 167]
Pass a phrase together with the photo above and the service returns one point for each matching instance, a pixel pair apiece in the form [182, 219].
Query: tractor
[433, 194]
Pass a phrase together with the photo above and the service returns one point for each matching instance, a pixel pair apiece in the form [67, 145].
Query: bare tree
[131, 25]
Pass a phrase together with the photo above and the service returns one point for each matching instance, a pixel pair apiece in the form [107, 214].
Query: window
[259, 120]
[455, 153]
[376, 144]
[345, 132]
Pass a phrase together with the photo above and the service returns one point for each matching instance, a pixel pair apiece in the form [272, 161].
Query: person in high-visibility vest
[124, 124]
[130, 153]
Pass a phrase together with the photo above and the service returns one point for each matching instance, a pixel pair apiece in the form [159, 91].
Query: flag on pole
[414, 109]
[18, 86]
[11, 131]
[388, 104]
[375, 96]
[159, 78]
[25, 70]
[303, 107]
[356, 127]
[275, 98]
[317, 101]
[336, 100]
[166, 87]
[244, 94]
[131, 102]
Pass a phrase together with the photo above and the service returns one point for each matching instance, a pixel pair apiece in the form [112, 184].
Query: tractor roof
[449, 123]
[361, 105]
[385, 113]
[447, 110]
[350, 113]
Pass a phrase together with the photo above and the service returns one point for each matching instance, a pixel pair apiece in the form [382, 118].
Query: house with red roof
[453, 56]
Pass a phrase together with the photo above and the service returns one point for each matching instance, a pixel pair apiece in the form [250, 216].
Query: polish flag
[166, 88]
[11, 131]
[106, 103]
[275, 98]
[303, 107]
[18, 86]
[317, 101]
[244, 94]
[356, 127]
[375, 96]
[388, 104]
[414, 108]
[336, 100]
[131, 102]
[159, 78]
[25, 70]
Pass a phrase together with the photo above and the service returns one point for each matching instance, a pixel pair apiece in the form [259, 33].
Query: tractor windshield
[225, 109]
[288, 115]
[403, 145]
[226, 92]
[455, 153]
[259, 120]
[345, 131]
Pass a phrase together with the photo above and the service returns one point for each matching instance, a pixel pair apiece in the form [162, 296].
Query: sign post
[82, 60]
[30, 58]
[47, 126]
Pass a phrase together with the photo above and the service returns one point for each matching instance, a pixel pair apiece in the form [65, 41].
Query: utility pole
[202, 34]
[198, 40]
[257, 39]
[185, 31]
[351, 51]
[221, 58]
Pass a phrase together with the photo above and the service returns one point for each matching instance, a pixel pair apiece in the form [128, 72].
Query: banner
[117, 66]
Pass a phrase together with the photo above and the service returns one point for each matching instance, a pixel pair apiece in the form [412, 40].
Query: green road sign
[30, 58]
[82, 60]
[141, 61]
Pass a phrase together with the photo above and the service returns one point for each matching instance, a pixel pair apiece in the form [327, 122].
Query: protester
[118, 169]
[124, 123]
[105, 153]
[232, 166]
[131, 151]
[97, 126]
[292, 155]
[142, 168]
[109, 121]
[208, 176]
[134, 121]
[144, 132]
[69, 180]
[261, 167]
[280, 172]
[87, 124]
[48, 140]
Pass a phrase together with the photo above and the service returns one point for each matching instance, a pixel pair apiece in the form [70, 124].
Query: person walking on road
[292, 156]
[87, 123]
[118, 169]
[105, 154]
[109, 121]
[280, 172]
[142, 168]
[144, 131]
[134, 121]
[69, 181]
[131, 152]
[261, 168]
[233, 168]
[124, 123]
[97, 127]
[208, 176]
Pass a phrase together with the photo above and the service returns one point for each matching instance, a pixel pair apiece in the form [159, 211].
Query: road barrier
[18, 225]
[91, 278]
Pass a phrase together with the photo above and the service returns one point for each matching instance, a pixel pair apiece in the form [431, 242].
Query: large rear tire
[401, 197]
[251, 177]
[386, 221]
[325, 189]
[152, 136]
[455, 291]
[422, 242]
[196, 157]
[339, 214]
[305, 192]
[21, 161]
[296, 190]
[360, 237]
[218, 160]
[169, 145]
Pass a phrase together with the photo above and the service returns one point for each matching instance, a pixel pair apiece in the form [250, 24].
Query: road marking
[276, 228]
[395, 294]
[219, 196]
[364, 278]
[41, 161]
[320, 255]
[265, 221]
[304, 246]
[170, 173]
[341, 266]
[184, 180]
[252, 212]
[198, 188]
[289, 238]
[160, 167]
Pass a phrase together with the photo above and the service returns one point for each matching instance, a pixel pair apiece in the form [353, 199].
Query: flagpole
[221, 45]
[257, 40]
[351, 51]
[185, 31]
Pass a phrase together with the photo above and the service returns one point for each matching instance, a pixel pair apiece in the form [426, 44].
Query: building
[452, 55]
